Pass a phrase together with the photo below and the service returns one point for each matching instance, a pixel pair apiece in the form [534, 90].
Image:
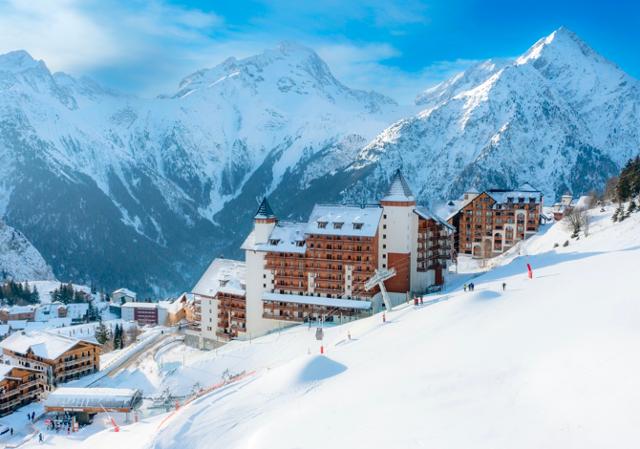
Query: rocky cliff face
[19, 260]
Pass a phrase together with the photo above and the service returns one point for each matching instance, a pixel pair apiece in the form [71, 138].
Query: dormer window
[299, 243]
[337, 225]
[510, 199]
[322, 224]
[532, 200]
[521, 200]
[357, 226]
[274, 242]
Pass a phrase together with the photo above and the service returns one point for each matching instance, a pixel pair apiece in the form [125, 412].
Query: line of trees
[67, 294]
[16, 293]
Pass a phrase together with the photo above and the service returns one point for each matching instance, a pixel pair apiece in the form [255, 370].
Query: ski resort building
[19, 386]
[342, 263]
[60, 358]
[490, 222]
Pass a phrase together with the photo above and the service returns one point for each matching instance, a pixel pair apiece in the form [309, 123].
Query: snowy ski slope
[548, 363]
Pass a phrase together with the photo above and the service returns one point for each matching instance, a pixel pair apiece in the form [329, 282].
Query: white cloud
[147, 47]
[365, 67]
[58, 32]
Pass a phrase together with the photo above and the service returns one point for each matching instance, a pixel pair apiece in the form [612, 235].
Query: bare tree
[577, 220]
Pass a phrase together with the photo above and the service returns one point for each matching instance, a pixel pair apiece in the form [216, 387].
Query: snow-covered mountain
[143, 192]
[560, 116]
[19, 260]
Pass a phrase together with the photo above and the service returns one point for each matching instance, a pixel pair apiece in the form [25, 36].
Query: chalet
[19, 386]
[60, 358]
[13, 313]
[490, 222]
[344, 262]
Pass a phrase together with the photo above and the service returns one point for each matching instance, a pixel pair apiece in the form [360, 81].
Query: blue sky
[397, 48]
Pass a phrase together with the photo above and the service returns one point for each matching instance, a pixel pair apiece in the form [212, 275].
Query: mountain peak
[562, 43]
[19, 61]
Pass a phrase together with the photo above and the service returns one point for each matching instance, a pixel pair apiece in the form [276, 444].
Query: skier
[471, 286]
[504, 286]
[40, 437]
[465, 287]
[11, 431]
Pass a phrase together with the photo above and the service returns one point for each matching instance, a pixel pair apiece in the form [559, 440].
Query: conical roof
[264, 211]
[398, 190]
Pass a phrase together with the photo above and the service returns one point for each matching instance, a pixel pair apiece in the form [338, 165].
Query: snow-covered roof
[47, 345]
[225, 275]
[15, 310]
[17, 324]
[77, 310]
[250, 242]
[264, 210]
[502, 196]
[125, 291]
[427, 214]
[170, 306]
[317, 300]
[285, 237]
[4, 370]
[108, 398]
[139, 305]
[398, 190]
[357, 221]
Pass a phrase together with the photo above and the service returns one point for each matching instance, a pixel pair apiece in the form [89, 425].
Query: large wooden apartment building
[318, 269]
[490, 222]
[59, 358]
[19, 386]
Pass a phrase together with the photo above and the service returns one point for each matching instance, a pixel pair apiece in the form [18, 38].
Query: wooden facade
[486, 227]
[288, 311]
[335, 266]
[19, 386]
[435, 248]
[80, 360]
[232, 315]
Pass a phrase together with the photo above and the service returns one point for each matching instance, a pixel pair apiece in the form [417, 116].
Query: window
[384, 236]
[384, 226]
[357, 225]
[337, 225]
[264, 276]
[322, 224]
[384, 216]
[274, 242]
[384, 265]
[384, 246]
[384, 256]
[299, 242]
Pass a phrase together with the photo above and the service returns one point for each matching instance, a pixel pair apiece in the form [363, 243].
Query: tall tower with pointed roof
[263, 222]
[398, 225]
[399, 193]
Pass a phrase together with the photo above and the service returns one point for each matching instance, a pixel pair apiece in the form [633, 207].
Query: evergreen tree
[102, 333]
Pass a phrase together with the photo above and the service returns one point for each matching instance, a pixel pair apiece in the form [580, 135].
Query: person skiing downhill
[504, 286]
[465, 287]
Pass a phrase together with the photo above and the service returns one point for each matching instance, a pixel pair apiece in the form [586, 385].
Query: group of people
[61, 422]
[471, 287]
